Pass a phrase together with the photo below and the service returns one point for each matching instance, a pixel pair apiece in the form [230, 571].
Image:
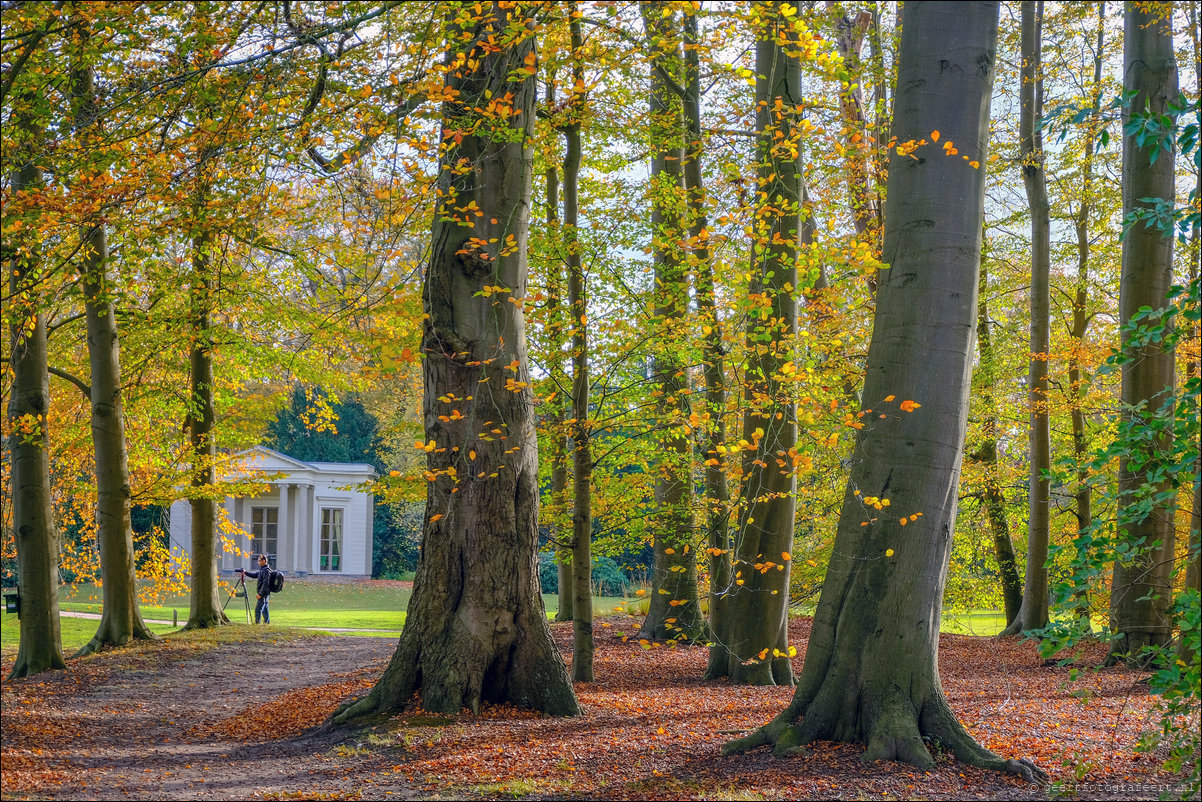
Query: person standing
[263, 590]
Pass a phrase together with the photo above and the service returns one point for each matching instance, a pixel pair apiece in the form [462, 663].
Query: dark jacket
[264, 577]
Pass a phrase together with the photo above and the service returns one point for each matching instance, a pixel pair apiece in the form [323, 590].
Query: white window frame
[260, 536]
[332, 518]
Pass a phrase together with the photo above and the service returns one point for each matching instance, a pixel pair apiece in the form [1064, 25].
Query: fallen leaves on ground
[651, 730]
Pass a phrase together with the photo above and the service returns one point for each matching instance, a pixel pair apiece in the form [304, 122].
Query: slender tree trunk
[1034, 611]
[674, 610]
[871, 674]
[717, 491]
[582, 453]
[205, 610]
[559, 439]
[865, 214]
[756, 642]
[476, 628]
[995, 501]
[1081, 318]
[28, 438]
[1142, 586]
[882, 103]
[121, 618]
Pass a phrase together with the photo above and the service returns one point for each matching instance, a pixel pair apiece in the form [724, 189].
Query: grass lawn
[973, 622]
[76, 632]
[352, 605]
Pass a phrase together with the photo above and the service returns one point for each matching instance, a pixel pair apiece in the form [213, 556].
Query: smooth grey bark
[1083, 496]
[674, 592]
[717, 490]
[121, 617]
[582, 450]
[476, 630]
[34, 532]
[1033, 614]
[1141, 588]
[755, 642]
[993, 499]
[559, 438]
[871, 673]
[205, 608]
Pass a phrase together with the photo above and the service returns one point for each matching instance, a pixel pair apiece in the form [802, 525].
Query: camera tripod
[239, 591]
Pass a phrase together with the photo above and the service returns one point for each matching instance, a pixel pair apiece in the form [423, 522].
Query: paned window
[331, 539]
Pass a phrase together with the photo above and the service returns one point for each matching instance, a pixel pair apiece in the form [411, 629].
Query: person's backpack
[277, 581]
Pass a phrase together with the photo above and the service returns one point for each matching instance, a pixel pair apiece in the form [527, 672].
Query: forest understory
[177, 720]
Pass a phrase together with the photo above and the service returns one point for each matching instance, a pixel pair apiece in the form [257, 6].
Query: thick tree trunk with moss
[121, 618]
[205, 610]
[753, 645]
[674, 610]
[1142, 587]
[476, 630]
[35, 536]
[1033, 614]
[871, 673]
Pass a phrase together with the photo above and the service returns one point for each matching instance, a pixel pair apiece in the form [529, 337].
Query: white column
[305, 529]
[285, 552]
[369, 525]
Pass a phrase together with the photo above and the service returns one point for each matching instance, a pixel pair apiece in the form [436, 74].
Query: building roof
[264, 460]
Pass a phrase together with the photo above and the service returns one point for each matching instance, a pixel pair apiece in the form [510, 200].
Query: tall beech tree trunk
[121, 618]
[865, 213]
[674, 593]
[559, 441]
[582, 451]
[871, 674]
[1080, 326]
[717, 490]
[1034, 611]
[994, 500]
[755, 642]
[28, 439]
[476, 628]
[1142, 587]
[205, 610]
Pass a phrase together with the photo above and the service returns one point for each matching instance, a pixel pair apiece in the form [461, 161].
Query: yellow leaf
[435, 517]
[890, 397]
[888, 552]
[934, 136]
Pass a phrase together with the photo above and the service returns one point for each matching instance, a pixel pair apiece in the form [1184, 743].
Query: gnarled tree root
[891, 737]
[104, 638]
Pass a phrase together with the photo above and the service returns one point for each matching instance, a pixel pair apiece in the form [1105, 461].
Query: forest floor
[243, 719]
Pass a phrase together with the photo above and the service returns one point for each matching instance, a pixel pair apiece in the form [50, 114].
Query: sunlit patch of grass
[515, 789]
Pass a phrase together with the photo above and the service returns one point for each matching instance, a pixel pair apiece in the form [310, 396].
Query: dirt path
[168, 725]
[174, 720]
